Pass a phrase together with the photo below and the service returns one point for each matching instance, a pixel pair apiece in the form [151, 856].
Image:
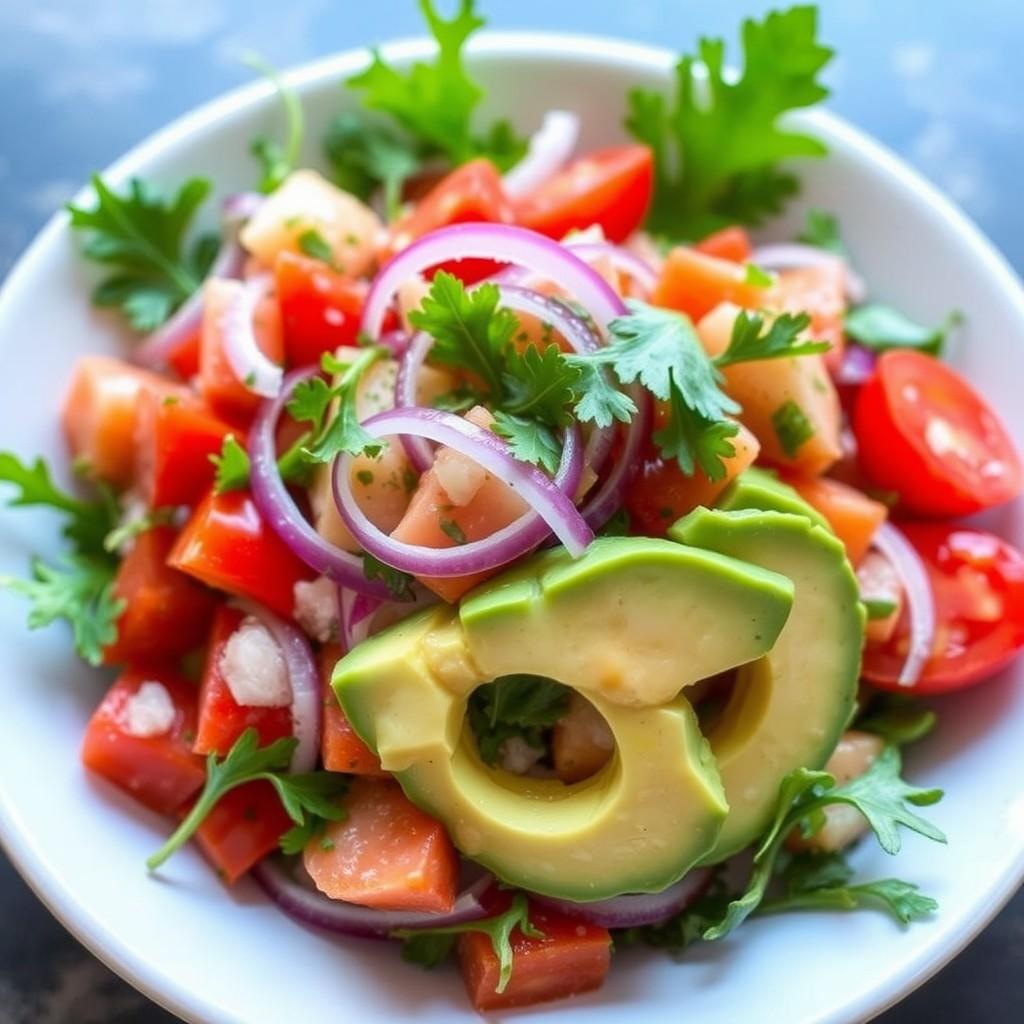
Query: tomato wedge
[925, 433]
[731, 243]
[978, 583]
[611, 188]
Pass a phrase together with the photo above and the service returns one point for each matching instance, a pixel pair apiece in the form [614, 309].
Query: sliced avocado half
[629, 624]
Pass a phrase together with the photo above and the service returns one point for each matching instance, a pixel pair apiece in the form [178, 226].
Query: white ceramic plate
[210, 954]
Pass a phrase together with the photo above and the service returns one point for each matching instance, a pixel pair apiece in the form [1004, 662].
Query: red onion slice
[356, 612]
[306, 703]
[550, 147]
[796, 255]
[280, 511]
[913, 575]
[857, 366]
[248, 362]
[311, 907]
[637, 909]
[550, 501]
[621, 259]
[502, 242]
[418, 449]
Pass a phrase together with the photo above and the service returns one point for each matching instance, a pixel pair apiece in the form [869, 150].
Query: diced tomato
[101, 412]
[161, 772]
[387, 853]
[341, 748]
[611, 188]
[853, 516]
[184, 360]
[573, 957]
[165, 614]
[226, 395]
[731, 243]
[245, 826]
[925, 433]
[695, 283]
[320, 308]
[471, 193]
[978, 585]
[174, 439]
[228, 546]
[581, 741]
[661, 492]
[221, 718]
[820, 292]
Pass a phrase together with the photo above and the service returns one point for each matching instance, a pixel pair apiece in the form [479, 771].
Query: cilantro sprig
[143, 237]
[429, 947]
[309, 799]
[518, 705]
[277, 160]
[718, 145]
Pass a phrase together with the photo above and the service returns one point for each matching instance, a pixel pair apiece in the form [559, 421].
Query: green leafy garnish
[618, 526]
[143, 237]
[792, 427]
[127, 531]
[529, 439]
[519, 705]
[308, 798]
[758, 278]
[881, 328]
[232, 467]
[428, 947]
[277, 161]
[879, 794]
[453, 531]
[434, 101]
[878, 607]
[750, 342]
[398, 582]
[821, 230]
[718, 147]
[314, 245]
[897, 718]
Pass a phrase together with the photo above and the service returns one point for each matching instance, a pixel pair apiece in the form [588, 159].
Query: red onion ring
[503, 242]
[913, 576]
[550, 146]
[635, 910]
[356, 612]
[306, 706]
[247, 360]
[280, 511]
[796, 256]
[418, 449]
[311, 907]
[621, 259]
[552, 507]
[857, 366]
[185, 323]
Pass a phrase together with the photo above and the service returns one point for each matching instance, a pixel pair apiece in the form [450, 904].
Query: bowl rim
[59, 898]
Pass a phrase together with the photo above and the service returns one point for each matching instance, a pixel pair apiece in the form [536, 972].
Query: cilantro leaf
[749, 342]
[453, 531]
[619, 525]
[597, 398]
[124, 532]
[540, 384]
[898, 719]
[718, 145]
[881, 328]
[302, 796]
[316, 247]
[529, 439]
[821, 230]
[429, 947]
[398, 582]
[792, 427]
[277, 161]
[517, 705]
[143, 236]
[434, 102]
[232, 467]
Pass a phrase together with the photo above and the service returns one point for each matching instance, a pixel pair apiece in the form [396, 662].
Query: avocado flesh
[657, 807]
[789, 708]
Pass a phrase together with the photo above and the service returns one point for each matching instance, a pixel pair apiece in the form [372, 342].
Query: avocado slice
[788, 708]
[762, 489]
[629, 624]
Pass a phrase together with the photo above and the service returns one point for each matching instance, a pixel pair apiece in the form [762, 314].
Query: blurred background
[81, 81]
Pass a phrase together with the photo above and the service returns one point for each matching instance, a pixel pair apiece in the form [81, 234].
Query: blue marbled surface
[83, 80]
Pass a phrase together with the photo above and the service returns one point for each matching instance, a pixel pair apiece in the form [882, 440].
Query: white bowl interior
[213, 954]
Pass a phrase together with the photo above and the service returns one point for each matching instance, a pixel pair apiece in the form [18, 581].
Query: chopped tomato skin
[221, 718]
[166, 614]
[573, 957]
[184, 360]
[977, 583]
[694, 283]
[731, 243]
[227, 545]
[161, 772]
[925, 433]
[611, 188]
[174, 440]
[341, 749]
[245, 826]
[387, 853]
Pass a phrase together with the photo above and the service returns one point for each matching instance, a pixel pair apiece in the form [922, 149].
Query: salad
[498, 551]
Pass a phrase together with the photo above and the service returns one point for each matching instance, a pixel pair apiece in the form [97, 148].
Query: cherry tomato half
[978, 584]
[611, 188]
[925, 433]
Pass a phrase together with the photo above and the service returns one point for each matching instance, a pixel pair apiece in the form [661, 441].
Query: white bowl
[212, 954]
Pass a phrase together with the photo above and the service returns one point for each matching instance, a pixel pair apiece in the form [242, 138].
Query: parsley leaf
[718, 146]
[429, 947]
[749, 343]
[517, 705]
[792, 427]
[398, 582]
[232, 465]
[529, 439]
[881, 328]
[434, 102]
[822, 231]
[897, 718]
[128, 531]
[314, 794]
[143, 236]
[277, 161]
